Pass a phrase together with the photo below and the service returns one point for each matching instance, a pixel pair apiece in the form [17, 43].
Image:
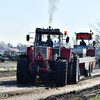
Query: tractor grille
[40, 49]
[43, 51]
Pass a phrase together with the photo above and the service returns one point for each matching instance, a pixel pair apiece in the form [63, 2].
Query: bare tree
[73, 41]
[2, 44]
[96, 27]
[21, 46]
[97, 40]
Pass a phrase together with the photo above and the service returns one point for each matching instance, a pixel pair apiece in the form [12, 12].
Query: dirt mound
[77, 95]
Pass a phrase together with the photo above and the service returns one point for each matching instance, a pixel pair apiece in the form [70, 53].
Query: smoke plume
[52, 8]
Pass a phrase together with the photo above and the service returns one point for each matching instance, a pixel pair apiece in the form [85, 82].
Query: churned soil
[83, 90]
[84, 94]
[7, 73]
[80, 91]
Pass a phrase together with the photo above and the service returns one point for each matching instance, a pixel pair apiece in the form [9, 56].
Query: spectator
[55, 44]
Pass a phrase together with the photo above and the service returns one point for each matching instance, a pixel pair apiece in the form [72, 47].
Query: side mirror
[27, 37]
[67, 39]
[93, 43]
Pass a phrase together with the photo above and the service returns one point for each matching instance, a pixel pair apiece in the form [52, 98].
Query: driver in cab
[82, 42]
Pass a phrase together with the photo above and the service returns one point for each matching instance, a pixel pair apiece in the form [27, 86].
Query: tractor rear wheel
[61, 72]
[91, 69]
[69, 73]
[75, 70]
[23, 74]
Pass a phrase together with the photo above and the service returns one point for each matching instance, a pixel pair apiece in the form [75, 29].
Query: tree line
[19, 46]
[71, 43]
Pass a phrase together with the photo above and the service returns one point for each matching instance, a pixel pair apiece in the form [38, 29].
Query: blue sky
[18, 17]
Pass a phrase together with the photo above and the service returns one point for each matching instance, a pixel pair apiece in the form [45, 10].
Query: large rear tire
[75, 70]
[70, 73]
[61, 72]
[91, 69]
[23, 74]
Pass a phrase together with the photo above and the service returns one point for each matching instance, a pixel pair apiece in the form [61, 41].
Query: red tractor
[48, 61]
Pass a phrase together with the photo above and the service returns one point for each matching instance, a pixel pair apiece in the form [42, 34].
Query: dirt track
[80, 91]
[47, 91]
[7, 73]
[8, 64]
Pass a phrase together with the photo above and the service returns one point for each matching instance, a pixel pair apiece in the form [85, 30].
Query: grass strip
[9, 62]
[8, 68]
[95, 98]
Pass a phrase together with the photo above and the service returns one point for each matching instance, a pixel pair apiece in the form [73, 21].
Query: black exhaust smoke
[52, 8]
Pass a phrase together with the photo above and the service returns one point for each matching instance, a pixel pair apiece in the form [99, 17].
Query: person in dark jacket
[82, 43]
[49, 42]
